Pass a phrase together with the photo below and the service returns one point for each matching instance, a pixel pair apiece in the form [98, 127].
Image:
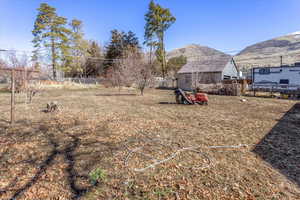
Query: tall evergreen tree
[149, 32]
[115, 47]
[119, 43]
[94, 49]
[158, 20]
[131, 41]
[50, 31]
[94, 63]
[79, 50]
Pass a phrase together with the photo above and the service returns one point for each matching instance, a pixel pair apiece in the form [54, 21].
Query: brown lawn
[52, 155]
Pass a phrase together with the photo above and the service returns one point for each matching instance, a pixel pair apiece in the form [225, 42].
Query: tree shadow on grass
[281, 146]
[4, 121]
[116, 95]
[167, 103]
[78, 158]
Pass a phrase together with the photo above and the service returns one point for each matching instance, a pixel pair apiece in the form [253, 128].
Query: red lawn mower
[190, 98]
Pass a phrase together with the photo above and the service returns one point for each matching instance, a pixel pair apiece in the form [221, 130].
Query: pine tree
[119, 43]
[131, 41]
[50, 32]
[175, 63]
[149, 32]
[158, 20]
[94, 64]
[78, 51]
[115, 47]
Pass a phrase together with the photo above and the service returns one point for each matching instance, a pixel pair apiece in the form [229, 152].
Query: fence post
[244, 84]
[12, 100]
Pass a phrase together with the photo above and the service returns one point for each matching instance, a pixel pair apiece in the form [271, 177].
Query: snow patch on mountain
[295, 33]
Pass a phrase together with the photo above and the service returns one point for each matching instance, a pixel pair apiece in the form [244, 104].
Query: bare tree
[3, 74]
[20, 63]
[2, 63]
[24, 72]
[134, 69]
[143, 76]
[116, 76]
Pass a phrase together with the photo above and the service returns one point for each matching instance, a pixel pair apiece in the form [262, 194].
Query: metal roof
[213, 64]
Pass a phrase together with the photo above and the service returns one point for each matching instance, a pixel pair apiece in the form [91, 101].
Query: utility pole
[281, 57]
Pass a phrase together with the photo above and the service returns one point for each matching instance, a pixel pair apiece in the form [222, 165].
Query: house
[207, 71]
[281, 78]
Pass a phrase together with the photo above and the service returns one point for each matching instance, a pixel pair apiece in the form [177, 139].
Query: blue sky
[226, 25]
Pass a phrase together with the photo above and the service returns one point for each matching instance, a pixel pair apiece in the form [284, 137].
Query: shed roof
[213, 64]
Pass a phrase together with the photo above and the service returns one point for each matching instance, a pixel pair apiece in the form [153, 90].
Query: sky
[226, 25]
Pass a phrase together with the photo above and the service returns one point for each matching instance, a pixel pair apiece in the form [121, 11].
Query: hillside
[196, 52]
[268, 53]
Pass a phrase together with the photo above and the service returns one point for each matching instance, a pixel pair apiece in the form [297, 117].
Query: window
[226, 77]
[284, 81]
[264, 71]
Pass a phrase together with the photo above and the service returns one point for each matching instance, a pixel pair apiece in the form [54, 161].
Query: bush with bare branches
[133, 70]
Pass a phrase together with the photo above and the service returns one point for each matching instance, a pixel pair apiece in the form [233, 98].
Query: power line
[18, 69]
[196, 57]
[13, 50]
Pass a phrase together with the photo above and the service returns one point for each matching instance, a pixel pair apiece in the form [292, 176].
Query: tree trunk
[151, 47]
[163, 54]
[53, 58]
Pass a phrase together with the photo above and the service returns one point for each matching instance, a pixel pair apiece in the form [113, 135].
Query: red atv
[190, 99]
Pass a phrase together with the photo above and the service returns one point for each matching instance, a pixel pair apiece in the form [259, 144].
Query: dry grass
[50, 156]
[65, 86]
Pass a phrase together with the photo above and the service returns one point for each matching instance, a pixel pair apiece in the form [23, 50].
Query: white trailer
[284, 79]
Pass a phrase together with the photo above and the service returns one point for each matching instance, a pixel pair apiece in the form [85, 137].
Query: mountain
[268, 53]
[195, 52]
[262, 54]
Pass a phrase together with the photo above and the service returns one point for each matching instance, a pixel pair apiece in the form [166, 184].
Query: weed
[163, 192]
[97, 175]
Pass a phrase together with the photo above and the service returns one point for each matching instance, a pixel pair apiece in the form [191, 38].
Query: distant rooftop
[213, 64]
